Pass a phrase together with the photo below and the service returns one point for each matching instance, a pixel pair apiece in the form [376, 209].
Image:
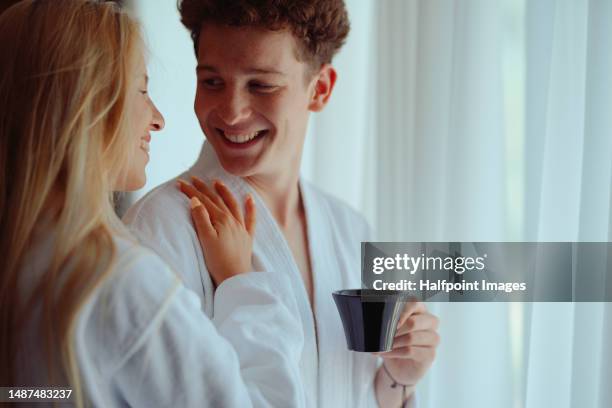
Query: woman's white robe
[141, 339]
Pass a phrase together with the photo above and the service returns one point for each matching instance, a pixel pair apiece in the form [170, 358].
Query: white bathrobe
[141, 339]
[332, 375]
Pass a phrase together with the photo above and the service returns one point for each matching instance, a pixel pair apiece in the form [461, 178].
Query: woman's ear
[323, 87]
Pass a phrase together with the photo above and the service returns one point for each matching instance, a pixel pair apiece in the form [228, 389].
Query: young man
[263, 66]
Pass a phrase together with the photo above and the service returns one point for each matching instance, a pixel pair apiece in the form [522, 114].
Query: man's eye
[211, 82]
[144, 91]
[259, 86]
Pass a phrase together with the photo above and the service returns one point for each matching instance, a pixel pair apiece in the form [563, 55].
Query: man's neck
[281, 194]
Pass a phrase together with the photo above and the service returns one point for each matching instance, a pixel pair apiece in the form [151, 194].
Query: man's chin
[241, 164]
[239, 167]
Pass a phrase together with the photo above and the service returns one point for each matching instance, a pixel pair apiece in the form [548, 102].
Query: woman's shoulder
[138, 269]
[139, 279]
[130, 253]
[123, 308]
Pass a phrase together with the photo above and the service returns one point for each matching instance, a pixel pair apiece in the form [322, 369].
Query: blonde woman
[81, 304]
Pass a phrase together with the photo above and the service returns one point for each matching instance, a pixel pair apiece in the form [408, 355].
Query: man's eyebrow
[263, 70]
[146, 79]
[208, 68]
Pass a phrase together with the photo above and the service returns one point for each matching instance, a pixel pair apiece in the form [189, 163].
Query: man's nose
[234, 107]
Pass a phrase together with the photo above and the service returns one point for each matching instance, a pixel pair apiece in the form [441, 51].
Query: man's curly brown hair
[320, 27]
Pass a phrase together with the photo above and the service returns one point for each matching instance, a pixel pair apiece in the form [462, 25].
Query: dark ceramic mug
[370, 317]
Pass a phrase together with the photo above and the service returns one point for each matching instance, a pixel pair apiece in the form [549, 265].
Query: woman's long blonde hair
[67, 67]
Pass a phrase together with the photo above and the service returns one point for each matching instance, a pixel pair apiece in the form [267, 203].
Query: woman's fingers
[249, 215]
[201, 219]
[203, 188]
[213, 209]
[228, 199]
[190, 191]
[221, 203]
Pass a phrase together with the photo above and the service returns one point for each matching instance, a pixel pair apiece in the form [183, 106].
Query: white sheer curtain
[480, 120]
[569, 158]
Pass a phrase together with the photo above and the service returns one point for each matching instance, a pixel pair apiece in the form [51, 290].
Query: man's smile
[242, 139]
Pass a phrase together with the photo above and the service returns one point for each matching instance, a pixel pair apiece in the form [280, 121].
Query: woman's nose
[157, 123]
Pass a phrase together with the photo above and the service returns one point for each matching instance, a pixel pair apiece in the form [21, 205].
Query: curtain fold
[569, 145]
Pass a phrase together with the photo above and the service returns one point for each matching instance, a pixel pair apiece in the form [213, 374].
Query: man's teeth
[241, 138]
[144, 145]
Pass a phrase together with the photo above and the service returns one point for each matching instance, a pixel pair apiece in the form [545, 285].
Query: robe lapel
[271, 252]
[335, 364]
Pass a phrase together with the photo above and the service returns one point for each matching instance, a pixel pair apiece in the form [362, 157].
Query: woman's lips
[144, 143]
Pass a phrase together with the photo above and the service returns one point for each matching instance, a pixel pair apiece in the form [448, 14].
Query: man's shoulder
[161, 220]
[164, 202]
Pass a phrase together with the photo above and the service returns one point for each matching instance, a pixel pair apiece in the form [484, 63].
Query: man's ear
[323, 87]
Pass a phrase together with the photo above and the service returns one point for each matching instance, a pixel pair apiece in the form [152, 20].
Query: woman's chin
[131, 183]
[138, 183]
